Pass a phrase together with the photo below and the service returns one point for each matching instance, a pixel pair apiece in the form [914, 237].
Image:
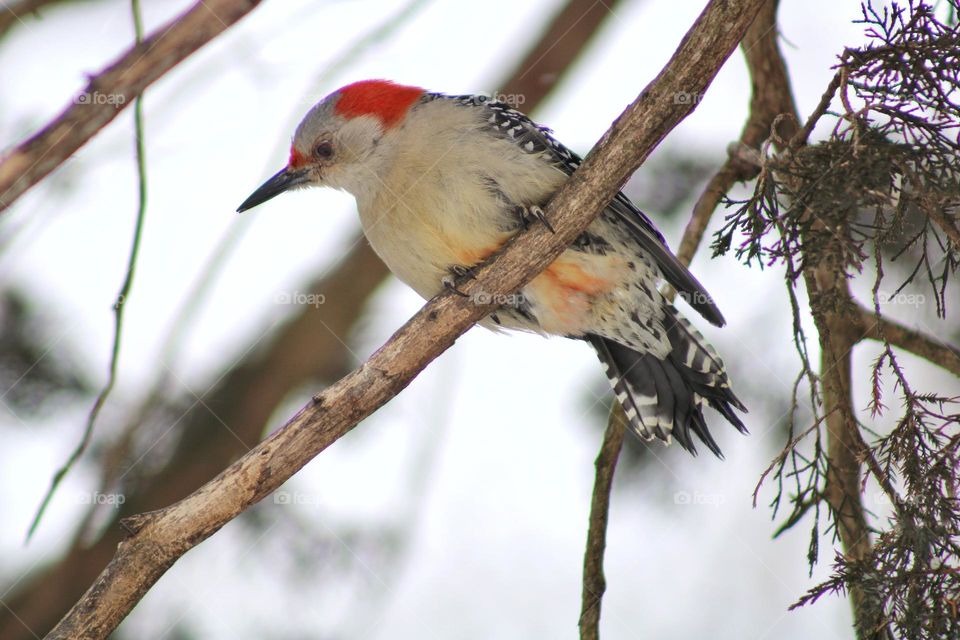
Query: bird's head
[336, 143]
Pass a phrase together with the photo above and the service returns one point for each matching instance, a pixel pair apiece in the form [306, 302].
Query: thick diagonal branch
[111, 90]
[159, 538]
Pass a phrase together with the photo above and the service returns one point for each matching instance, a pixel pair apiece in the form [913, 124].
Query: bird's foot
[457, 275]
[533, 213]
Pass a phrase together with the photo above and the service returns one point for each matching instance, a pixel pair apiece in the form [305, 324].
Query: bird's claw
[450, 285]
[457, 273]
[533, 212]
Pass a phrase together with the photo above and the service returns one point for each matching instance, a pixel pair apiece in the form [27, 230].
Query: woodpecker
[442, 181]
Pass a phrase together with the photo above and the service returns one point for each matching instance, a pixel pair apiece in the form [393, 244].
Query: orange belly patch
[572, 277]
[564, 293]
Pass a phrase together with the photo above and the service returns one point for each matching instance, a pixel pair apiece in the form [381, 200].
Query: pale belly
[421, 255]
[564, 298]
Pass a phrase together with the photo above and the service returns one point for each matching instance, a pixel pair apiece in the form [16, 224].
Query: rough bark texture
[157, 539]
[111, 90]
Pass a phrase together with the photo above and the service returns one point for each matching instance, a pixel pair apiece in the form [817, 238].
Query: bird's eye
[323, 150]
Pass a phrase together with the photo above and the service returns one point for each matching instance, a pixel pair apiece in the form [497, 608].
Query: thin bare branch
[828, 294]
[829, 300]
[594, 582]
[126, 287]
[892, 155]
[803, 135]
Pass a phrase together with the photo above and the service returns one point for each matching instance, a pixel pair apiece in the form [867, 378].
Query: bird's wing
[537, 139]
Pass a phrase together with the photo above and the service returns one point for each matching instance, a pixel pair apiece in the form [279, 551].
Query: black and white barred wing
[534, 138]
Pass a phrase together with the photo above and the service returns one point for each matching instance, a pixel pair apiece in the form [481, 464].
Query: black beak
[284, 180]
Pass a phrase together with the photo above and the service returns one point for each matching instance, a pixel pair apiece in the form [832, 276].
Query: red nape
[387, 100]
[297, 159]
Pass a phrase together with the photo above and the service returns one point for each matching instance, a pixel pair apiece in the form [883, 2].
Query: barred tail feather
[664, 398]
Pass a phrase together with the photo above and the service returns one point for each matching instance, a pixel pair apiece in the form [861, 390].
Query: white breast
[434, 207]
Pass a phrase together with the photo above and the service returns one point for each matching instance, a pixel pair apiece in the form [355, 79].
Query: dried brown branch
[883, 329]
[832, 305]
[159, 538]
[826, 98]
[830, 301]
[829, 294]
[594, 582]
[810, 200]
[111, 90]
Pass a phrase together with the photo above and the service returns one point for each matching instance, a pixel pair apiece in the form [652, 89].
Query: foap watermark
[513, 99]
[295, 497]
[117, 100]
[499, 299]
[685, 97]
[696, 298]
[112, 499]
[902, 298]
[698, 498]
[299, 297]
